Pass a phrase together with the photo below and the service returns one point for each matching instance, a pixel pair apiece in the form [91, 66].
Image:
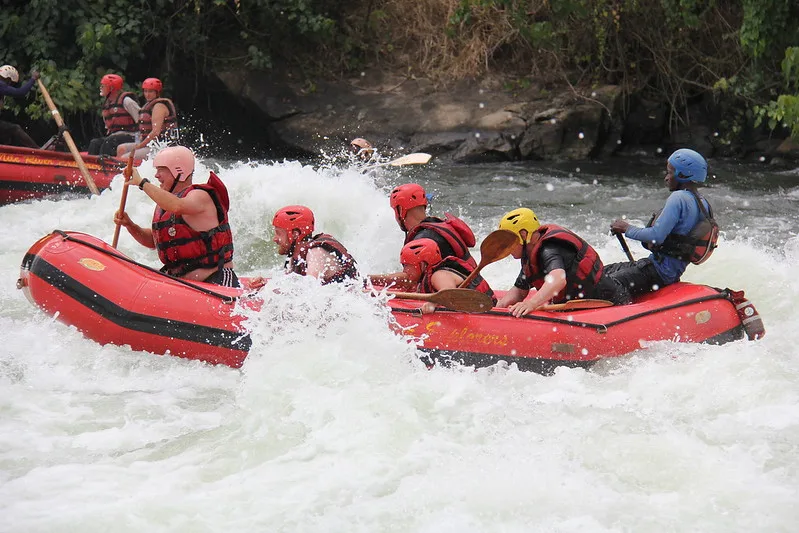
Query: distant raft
[30, 173]
[113, 300]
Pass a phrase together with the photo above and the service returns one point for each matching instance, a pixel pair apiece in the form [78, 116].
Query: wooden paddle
[410, 159]
[68, 137]
[497, 245]
[465, 300]
[624, 247]
[124, 199]
[576, 305]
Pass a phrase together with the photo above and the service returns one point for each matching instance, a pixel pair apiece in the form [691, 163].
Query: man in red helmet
[190, 228]
[453, 235]
[157, 120]
[320, 255]
[120, 115]
[422, 262]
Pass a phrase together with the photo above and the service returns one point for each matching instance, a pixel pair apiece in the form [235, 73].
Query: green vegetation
[746, 51]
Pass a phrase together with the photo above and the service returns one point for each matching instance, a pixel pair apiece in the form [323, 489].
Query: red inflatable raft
[27, 173]
[111, 299]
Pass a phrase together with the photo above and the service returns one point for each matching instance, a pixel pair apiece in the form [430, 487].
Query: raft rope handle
[603, 328]
[225, 299]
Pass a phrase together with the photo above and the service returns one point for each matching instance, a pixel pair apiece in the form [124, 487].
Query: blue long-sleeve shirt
[679, 215]
[10, 90]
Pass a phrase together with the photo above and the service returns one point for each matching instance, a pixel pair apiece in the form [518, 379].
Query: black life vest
[115, 116]
[169, 130]
[456, 232]
[698, 245]
[459, 266]
[182, 248]
[298, 264]
[585, 272]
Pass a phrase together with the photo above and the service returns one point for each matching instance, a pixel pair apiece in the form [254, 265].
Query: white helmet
[10, 73]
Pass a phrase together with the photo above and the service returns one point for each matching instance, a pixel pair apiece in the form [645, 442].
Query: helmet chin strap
[401, 220]
[174, 183]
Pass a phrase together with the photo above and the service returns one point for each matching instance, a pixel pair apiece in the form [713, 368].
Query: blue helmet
[688, 166]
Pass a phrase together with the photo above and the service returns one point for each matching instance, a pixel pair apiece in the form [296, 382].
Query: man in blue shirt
[672, 233]
[11, 133]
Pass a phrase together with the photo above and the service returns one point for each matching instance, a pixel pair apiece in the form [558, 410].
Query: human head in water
[362, 149]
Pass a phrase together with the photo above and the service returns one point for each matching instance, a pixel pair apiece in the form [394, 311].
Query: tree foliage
[669, 50]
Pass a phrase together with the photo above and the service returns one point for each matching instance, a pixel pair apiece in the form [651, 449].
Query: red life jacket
[170, 127]
[454, 230]
[182, 248]
[459, 266]
[298, 261]
[585, 272]
[698, 245]
[115, 115]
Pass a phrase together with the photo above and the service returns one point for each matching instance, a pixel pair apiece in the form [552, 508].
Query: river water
[333, 425]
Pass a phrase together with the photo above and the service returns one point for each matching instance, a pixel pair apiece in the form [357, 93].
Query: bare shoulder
[199, 197]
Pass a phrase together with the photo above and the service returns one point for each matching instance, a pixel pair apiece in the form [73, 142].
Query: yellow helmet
[518, 220]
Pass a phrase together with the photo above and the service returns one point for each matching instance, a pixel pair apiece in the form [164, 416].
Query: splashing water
[333, 424]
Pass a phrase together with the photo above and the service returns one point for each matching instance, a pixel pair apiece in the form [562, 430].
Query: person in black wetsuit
[558, 263]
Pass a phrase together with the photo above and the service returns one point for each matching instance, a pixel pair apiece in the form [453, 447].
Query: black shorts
[224, 277]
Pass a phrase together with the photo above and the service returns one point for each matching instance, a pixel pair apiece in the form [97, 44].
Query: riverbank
[487, 119]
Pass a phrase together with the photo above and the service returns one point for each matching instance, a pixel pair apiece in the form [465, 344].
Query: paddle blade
[497, 245]
[464, 300]
[576, 305]
[411, 159]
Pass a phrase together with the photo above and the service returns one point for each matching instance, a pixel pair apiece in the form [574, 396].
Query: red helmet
[152, 84]
[112, 81]
[420, 251]
[178, 159]
[294, 217]
[406, 197]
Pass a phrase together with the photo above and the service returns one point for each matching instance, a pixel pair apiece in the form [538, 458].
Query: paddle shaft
[576, 305]
[624, 247]
[68, 138]
[124, 199]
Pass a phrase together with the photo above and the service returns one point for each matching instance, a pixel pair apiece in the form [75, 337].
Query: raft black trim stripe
[120, 316]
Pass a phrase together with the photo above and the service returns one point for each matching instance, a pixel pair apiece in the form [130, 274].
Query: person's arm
[160, 112]
[16, 92]
[441, 280]
[194, 203]
[320, 263]
[512, 296]
[554, 282]
[664, 224]
[132, 107]
[143, 236]
[445, 279]
[397, 280]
